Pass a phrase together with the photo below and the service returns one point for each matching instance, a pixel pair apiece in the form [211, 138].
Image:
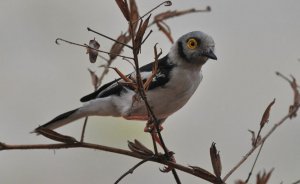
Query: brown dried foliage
[266, 115]
[139, 148]
[296, 101]
[93, 54]
[94, 78]
[117, 48]
[56, 136]
[215, 160]
[260, 179]
[123, 5]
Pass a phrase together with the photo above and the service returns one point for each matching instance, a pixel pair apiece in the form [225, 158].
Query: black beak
[210, 55]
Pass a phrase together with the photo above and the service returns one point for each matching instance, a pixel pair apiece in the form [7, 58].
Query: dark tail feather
[60, 120]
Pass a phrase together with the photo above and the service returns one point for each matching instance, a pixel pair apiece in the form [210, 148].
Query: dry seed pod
[124, 8]
[266, 115]
[215, 160]
[93, 54]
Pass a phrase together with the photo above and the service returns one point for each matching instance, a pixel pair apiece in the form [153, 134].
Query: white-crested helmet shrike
[178, 76]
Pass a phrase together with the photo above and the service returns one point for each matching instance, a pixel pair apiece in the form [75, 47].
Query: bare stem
[83, 129]
[166, 3]
[86, 46]
[245, 157]
[107, 37]
[256, 158]
[284, 77]
[189, 170]
[130, 171]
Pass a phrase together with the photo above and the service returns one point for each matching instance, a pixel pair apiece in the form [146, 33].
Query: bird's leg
[151, 128]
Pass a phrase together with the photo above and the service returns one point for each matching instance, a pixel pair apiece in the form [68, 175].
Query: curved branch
[155, 158]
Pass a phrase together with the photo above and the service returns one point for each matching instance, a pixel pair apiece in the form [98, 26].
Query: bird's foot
[168, 157]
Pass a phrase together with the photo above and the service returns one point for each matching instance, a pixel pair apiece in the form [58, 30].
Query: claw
[169, 157]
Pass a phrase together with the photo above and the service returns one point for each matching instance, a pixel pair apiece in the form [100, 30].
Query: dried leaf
[215, 160]
[165, 30]
[264, 178]
[266, 115]
[140, 33]
[56, 136]
[137, 147]
[93, 54]
[134, 14]
[124, 8]
[154, 68]
[94, 78]
[124, 77]
[142, 147]
[294, 108]
[117, 48]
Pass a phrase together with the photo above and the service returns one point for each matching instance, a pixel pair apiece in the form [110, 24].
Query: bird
[176, 80]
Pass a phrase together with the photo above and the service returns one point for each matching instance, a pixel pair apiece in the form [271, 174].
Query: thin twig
[284, 77]
[130, 171]
[258, 136]
[245, 157]
[107, 37]
[147, 37]
[166, 3]
[86, 46]
[83, 129]
[256, 158]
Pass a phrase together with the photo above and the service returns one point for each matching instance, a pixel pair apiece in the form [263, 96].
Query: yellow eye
[192, 43]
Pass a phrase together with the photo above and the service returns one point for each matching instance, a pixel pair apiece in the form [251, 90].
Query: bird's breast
[167, 99]
[175, 94]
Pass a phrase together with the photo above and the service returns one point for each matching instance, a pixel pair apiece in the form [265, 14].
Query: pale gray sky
[40, 80]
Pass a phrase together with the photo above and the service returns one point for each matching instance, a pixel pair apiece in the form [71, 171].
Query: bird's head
[195, 48]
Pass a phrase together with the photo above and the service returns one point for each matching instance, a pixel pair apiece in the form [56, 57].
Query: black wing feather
[117, 90]
[163, 75]
[114, 88]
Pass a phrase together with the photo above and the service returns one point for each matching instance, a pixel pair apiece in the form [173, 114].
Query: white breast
[167, 99]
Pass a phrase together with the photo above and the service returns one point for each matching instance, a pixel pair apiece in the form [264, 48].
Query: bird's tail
[62, 120]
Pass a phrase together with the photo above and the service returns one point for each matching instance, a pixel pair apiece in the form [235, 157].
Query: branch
[88, 47]
[130, 171]
[245, 157]
[158, 159]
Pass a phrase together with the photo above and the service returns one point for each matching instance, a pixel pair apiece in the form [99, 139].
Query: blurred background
[40, 80]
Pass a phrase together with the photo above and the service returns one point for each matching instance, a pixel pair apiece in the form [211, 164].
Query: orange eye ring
[192, 43]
